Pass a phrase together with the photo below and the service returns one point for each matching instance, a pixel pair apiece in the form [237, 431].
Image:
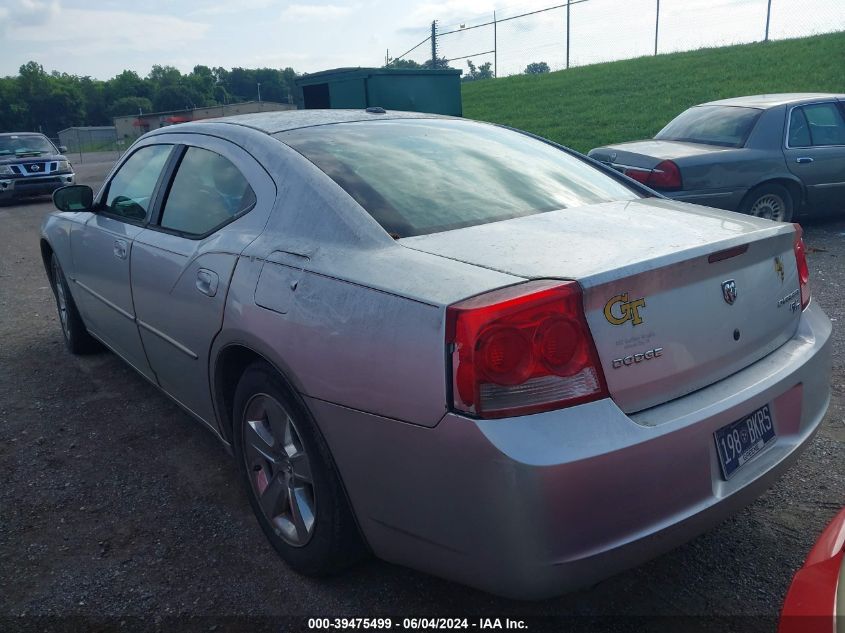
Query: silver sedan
[457, 346]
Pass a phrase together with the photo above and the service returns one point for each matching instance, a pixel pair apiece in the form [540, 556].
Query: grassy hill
[621, 101]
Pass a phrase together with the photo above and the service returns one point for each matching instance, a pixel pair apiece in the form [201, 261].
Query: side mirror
[63, 149]
[74, 198]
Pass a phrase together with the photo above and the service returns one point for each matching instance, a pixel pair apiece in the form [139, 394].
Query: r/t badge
[619, 310]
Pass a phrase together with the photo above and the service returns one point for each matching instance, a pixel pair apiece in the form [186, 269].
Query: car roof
[765, 102]
[21, 134]
[286, 120]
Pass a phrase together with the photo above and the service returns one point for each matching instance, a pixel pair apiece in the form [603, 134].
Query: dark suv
[31, 165]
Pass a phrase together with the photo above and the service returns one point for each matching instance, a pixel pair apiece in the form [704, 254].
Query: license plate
[740, 441]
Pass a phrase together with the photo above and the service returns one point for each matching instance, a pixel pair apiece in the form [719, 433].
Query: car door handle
[120, 249]
[207, 281]
[803, 160]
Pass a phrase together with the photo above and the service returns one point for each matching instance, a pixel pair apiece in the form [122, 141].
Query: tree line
[35, 100]
[473, 72]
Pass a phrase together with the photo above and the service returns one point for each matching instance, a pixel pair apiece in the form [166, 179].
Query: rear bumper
[534, 506]
[21, 187]
[729, 199]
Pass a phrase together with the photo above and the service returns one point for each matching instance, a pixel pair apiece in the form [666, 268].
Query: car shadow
[25, 202]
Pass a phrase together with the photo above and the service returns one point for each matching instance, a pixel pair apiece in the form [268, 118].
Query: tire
[77, 339]
[771, 201]
[316, 533]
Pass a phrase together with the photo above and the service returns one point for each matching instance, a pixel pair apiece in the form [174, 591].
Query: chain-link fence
[582, 32]
[91, 144]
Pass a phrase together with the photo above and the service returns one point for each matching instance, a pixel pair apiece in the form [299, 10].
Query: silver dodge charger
[454, 345]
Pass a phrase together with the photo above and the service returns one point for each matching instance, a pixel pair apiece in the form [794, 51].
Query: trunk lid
[653, 295]
[647, 154]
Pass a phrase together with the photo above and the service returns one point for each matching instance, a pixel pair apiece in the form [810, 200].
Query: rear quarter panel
[737, 169]
[345, 343]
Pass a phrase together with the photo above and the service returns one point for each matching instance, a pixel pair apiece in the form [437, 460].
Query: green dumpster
[435, 91]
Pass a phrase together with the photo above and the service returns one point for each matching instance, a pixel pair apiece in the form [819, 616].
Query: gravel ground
[117, 508]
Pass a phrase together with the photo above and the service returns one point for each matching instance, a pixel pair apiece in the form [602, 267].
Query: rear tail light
[803, 268]
[665, 176]
[522, 349]
[640, 175]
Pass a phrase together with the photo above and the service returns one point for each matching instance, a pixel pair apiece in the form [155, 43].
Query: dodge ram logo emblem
[729, 291]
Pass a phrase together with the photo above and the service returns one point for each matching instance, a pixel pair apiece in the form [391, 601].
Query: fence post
[433, 44]
[768, 17]
[656, 26]
[495, 54]
[567, 33]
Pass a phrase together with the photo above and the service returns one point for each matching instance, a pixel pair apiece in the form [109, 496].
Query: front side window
[130, 191]
[207, 192]
[726, 126]
[825, 123]
[426, 175]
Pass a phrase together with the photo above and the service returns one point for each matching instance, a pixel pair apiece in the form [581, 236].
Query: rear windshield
[727, 126]
[425, 175]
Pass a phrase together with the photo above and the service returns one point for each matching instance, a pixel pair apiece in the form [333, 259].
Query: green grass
[632, 99]
[99, 146]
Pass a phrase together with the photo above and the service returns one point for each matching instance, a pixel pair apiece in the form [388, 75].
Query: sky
[104, 37]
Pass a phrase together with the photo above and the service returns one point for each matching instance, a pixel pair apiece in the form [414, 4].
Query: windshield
[727, 126]
[18, 144]
[425, 175]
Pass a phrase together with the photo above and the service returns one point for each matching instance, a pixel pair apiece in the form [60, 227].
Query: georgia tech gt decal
[628, 310]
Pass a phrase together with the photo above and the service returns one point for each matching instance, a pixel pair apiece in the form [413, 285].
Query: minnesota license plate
[738, 442]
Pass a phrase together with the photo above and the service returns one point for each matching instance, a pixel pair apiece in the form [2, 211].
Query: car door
[217, 202]
[101, 249]
[815, 152]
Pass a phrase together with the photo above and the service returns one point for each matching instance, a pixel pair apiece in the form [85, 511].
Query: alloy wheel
[279, 469]
[769, 206]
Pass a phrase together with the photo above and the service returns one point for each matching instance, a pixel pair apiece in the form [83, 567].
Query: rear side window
[825, 123]
[207, 192]
[726, 126]
[132, 187]
[427, 175]
[799, 131]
